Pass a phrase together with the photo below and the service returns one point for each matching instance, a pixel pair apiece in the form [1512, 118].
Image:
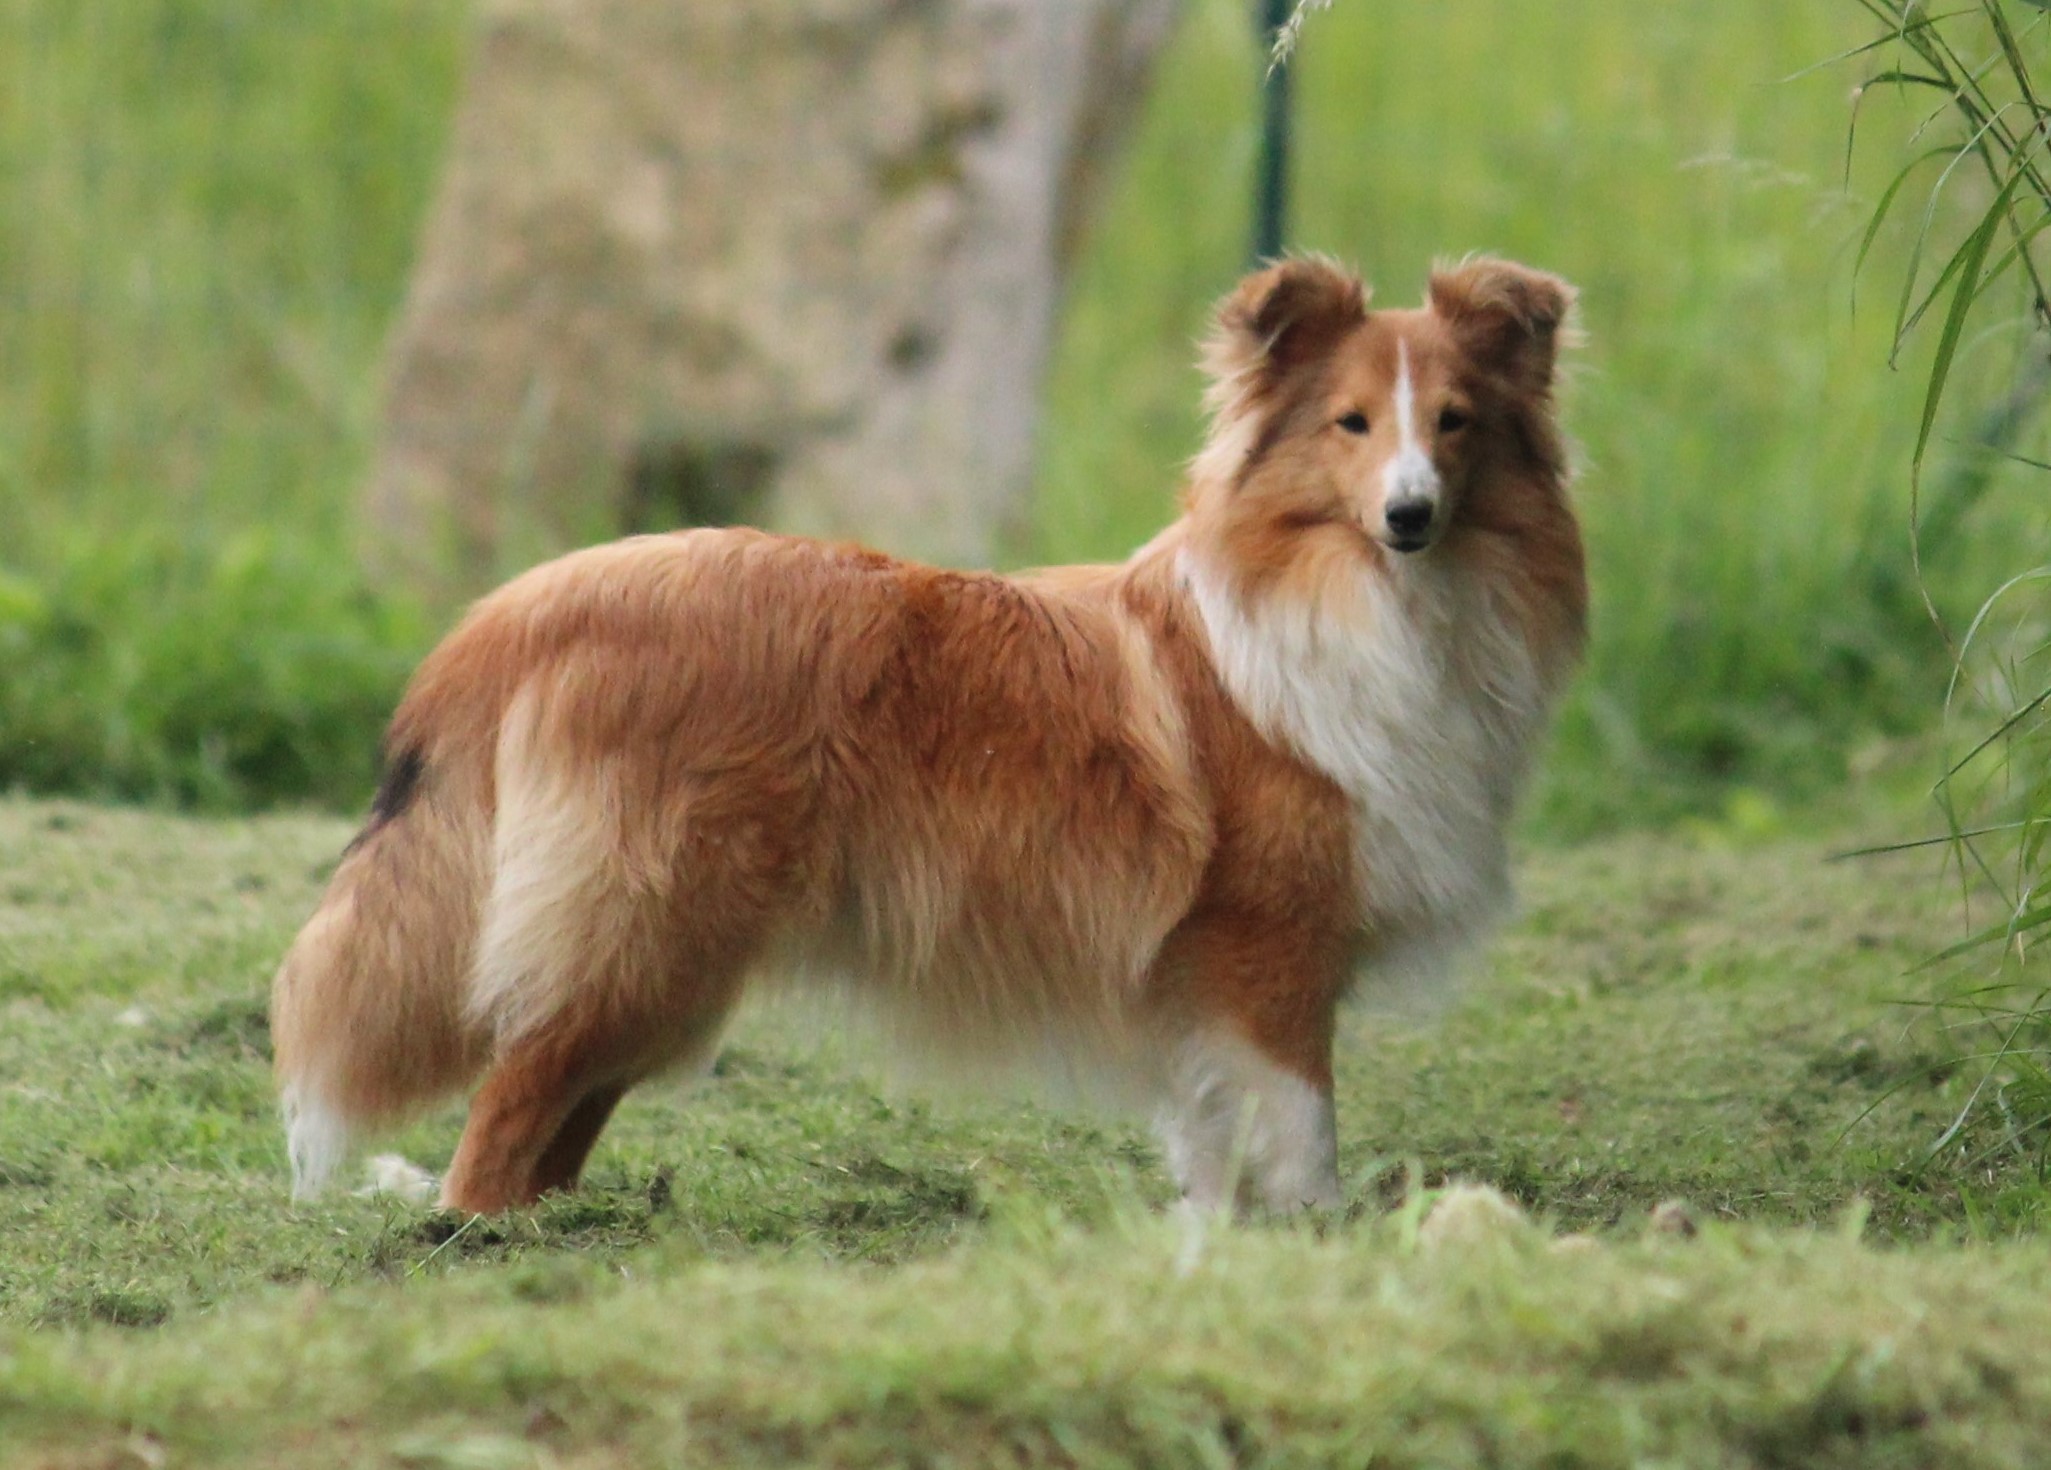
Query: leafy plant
[221, 676]
[1977, 79]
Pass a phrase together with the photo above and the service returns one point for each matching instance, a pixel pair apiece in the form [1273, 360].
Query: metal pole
[1271, 180]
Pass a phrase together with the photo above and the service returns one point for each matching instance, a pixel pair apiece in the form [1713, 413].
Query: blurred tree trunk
[784, 260]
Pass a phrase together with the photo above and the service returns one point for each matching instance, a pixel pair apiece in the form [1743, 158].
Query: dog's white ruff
[1412, 688]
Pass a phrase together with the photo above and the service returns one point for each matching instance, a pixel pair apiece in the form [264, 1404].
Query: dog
[1146, 823]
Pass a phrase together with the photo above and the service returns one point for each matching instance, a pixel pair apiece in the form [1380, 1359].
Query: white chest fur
[1415, 691]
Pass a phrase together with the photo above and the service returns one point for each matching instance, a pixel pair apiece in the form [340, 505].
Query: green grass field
[792, 1262]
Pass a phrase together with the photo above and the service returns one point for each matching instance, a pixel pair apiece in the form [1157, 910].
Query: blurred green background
[207, 212]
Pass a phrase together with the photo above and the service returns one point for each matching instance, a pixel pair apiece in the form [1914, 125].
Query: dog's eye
[1452, 421]
[1354, 422]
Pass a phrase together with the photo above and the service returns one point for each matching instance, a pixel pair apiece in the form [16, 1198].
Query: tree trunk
[782, 260]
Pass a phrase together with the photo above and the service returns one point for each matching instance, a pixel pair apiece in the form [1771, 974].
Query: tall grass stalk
[1977, 82]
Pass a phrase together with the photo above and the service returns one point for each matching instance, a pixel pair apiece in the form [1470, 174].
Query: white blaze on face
[1410, 474]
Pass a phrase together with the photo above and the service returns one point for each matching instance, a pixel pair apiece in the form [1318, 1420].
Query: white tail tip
[317, 1138]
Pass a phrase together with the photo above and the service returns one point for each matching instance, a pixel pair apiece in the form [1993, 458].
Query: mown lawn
[793, 1263]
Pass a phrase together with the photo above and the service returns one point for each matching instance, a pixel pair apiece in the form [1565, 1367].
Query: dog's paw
[401, 1179]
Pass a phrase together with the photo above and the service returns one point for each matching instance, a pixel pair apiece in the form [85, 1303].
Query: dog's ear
[1511, 318]
[1279, 318]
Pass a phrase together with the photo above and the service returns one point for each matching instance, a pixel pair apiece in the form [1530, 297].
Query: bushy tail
[367, 1013]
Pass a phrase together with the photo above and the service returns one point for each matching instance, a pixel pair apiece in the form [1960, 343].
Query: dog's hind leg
[562, 1162]
[550, 1093]
[527, 1099]
[590, 981]
[627, 905]
[598, 986]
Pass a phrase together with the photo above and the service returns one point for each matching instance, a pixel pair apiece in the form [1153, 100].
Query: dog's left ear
[1511, 317]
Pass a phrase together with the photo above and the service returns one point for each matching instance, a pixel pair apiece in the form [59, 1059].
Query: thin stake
[1271, 179]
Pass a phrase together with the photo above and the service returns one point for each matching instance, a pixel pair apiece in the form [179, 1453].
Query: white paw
[401, 1179]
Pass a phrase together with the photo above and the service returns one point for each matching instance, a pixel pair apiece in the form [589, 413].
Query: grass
[790, 1262]
[211, 210]
[1746, 1349]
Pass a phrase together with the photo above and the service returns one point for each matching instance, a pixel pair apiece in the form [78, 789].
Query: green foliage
[210, 211]
[1972, 81]
[219, 677]
[206, 214]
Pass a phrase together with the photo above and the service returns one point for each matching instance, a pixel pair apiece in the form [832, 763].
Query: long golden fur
[1149, 820]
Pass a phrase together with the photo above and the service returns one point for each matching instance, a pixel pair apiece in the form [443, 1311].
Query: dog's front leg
[1241, 1127]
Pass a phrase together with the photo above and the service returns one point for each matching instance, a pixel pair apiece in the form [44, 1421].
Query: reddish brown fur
[1022, 814]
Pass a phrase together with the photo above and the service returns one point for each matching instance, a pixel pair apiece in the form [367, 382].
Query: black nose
[1409, 519]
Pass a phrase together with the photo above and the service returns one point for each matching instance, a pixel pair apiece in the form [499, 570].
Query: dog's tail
[367, 1011]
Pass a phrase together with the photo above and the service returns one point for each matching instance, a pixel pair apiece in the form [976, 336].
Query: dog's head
[1379, 432]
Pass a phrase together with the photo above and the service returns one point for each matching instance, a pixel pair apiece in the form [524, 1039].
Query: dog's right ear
[1279, 318]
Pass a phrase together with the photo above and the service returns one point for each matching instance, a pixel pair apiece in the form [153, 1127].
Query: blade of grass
[1885, 204]
[1971, 256]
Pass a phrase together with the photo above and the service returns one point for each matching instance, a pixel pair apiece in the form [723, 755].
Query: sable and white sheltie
[1146, 824]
